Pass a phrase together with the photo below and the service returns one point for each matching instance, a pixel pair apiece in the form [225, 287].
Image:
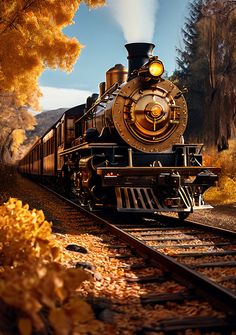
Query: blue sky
[104, 43]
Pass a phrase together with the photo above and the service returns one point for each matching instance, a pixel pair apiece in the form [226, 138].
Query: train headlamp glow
[156, 111]
[156, 69]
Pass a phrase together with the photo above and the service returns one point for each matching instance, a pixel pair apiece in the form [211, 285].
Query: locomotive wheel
[183, 215]
[83, 200]
[91, 205]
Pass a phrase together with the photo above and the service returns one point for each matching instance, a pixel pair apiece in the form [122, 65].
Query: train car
[49, 153]
[31, 164]
[66, 133]
[126, 145]
[44, 159]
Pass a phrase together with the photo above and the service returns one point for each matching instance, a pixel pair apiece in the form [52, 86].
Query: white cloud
[54, 97]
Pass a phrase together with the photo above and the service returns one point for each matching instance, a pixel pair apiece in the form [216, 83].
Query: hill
[44, 121]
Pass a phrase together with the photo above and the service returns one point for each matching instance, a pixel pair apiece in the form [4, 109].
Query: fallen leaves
[39, 291]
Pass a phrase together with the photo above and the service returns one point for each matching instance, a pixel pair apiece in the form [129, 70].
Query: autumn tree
[207, 67]
[31, 40]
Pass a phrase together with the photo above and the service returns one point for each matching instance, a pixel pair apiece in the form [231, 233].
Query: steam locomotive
[125, 146]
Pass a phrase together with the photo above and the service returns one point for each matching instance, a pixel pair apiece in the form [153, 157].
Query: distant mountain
[44, 121]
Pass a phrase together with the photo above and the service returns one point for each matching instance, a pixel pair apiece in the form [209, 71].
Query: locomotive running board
[133, 199]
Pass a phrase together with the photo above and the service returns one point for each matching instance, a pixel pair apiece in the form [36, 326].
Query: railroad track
[203, 250]
[199, 257]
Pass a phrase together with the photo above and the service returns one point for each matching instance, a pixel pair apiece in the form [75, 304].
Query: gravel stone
[107, 316]
[97, 276]
[76, 248]
[85, 265]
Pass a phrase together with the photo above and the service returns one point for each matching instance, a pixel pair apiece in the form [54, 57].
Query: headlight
[156, 69]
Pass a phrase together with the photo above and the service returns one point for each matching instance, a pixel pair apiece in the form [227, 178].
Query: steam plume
[136, 17]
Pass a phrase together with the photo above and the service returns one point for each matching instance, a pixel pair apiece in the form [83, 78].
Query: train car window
[78, 129]
[45, 149]
[59, 135]
[70, 131]
[51, 145]
[62, 132]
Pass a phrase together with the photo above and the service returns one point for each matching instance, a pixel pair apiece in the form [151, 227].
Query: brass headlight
[156, 69]
[156, 111]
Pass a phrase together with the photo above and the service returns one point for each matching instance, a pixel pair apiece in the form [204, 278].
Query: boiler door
[150, 119]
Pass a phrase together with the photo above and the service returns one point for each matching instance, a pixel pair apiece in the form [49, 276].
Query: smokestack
[138, 54]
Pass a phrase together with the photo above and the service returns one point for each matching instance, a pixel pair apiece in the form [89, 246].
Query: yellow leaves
[29, 232]
[225, 192]
[31, 39]
[75, 312]
[18, 137]
[78, 310]
[60, 321]
[36, 37]
[40, 292]
[35, 24]
[95, 3]
[25, 326]
[75, 277]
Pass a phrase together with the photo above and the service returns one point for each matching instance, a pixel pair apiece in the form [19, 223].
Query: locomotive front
[131, 152]
[149, 113]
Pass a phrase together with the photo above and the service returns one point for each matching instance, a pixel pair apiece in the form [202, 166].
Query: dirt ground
[223, 216]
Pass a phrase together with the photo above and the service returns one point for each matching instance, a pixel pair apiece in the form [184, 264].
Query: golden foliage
[29, 233]
[31, 40]
[39, 291]
[95, 3]
[25, 326]
[225, 192]
[14, 121]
